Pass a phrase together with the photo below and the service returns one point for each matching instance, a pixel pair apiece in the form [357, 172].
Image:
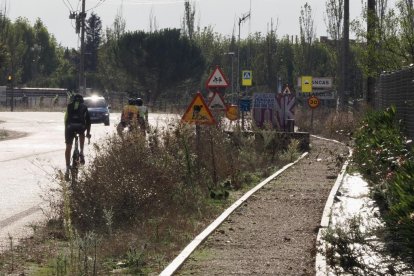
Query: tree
[44, 53]
[371, 44]
[93, 41]
[307, 36]
[160, 60]
[188, 20]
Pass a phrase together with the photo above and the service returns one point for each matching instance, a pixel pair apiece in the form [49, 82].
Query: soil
[274, 231]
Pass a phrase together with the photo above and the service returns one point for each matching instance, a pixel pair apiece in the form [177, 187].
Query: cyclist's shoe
[67, 174]
[82, 159]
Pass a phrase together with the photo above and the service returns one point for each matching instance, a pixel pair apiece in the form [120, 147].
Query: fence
[33, 97]
[397, 88]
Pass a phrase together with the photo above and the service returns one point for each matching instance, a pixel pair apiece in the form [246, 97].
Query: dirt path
[274, 231]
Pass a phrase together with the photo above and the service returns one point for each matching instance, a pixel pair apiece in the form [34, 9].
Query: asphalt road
[27, 165]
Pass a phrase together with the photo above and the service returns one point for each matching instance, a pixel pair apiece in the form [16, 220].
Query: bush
[167, 173]
[383, 155]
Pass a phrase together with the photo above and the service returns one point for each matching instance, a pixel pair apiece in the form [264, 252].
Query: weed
[3, 134]
[292, 152]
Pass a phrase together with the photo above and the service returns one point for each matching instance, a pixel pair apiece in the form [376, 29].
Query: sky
[222, 15]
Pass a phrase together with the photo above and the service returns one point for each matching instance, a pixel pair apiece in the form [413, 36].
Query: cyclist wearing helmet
[129, 116]
[143, 114]
[77, 120]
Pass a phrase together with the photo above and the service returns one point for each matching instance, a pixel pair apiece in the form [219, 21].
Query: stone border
[320, 262]
[180, 259]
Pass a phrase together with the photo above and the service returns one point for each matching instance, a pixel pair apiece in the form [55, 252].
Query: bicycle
[76, 160]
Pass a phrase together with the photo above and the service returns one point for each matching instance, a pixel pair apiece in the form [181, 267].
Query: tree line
[169, 64]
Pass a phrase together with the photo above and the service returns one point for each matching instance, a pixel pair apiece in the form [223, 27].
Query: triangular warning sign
[286, 91]
[198, 112]
[217, 102]
[217, 79]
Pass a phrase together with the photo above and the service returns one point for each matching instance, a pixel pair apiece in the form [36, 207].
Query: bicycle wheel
[75, 161]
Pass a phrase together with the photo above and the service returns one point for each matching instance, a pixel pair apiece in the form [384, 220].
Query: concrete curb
[180, 259]
[320, 262]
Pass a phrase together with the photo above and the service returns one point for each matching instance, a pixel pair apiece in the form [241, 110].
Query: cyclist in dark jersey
[77, 120]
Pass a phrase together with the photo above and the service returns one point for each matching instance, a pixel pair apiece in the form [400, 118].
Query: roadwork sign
[217, 102]
[217, 79]
[198, 112]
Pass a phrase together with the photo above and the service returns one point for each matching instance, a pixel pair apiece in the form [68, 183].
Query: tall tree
[188, 21]
[160, 60]
[334, 23]
[307, 36]
[371, 44]
[344, 89]
[93, 41]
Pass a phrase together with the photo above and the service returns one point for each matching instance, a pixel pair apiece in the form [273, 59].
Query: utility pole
[80, 29]
[82, 82]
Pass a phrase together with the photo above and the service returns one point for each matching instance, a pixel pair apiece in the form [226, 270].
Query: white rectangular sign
[321, 94]
[264, 100]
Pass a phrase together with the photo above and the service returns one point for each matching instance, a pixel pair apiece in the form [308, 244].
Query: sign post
[313, 103]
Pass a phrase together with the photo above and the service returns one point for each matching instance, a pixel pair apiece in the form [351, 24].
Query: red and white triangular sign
[217, 79]
[286, 91]
[217, 102]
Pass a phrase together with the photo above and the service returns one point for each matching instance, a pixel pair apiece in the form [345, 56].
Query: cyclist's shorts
[71, 130]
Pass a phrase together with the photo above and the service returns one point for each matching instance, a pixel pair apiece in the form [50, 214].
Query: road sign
[247, 79]
[198, 112]
[319, 82]
[232, 112]
[217, 79]
[216, 102]
[313, 102]
[306, 84]
[245, 104]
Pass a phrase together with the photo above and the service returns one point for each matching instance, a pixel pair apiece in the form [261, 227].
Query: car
[98, 109]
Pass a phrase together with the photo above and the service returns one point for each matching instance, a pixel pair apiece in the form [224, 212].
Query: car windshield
[95, 102]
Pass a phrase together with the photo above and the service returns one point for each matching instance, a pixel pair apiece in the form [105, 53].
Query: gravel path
[274, 231]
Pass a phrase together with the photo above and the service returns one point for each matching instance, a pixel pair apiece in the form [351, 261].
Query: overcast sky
[223, 15]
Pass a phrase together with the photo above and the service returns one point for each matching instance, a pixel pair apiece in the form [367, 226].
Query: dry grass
[144, 198]
[329, 122]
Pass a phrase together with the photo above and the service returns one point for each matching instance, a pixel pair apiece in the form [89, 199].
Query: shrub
[383, 156]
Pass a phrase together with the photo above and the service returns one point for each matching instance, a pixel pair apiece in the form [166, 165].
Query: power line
[68, 6]
[100, 2]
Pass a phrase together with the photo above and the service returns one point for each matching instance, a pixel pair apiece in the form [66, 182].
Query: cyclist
[129, 116]
[143, 114]
[77, 120]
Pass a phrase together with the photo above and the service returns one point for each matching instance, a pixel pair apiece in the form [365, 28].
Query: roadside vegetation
[384, 156]
[3, 134]
[142, 200]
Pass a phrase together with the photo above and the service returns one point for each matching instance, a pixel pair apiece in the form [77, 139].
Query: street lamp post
[232, 74]
[241, 20]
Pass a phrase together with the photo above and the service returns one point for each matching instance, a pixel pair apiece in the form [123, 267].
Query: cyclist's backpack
[76, 113]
